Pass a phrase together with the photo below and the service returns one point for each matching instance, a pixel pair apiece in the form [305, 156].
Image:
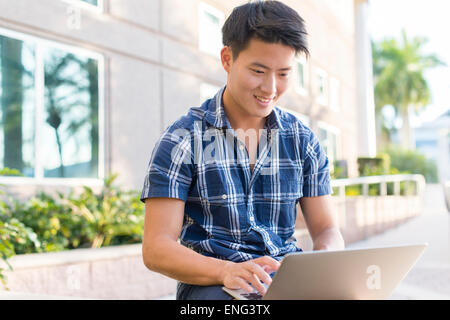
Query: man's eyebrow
[257, 64]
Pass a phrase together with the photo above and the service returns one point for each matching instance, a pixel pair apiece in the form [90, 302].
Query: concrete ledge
[37, 260]
[105, 273]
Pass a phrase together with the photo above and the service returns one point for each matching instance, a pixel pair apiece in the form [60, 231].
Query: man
[226, 177]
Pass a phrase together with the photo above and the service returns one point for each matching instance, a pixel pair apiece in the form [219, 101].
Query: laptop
[367, 274]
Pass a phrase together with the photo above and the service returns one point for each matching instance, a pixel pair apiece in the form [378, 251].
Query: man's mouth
[263, 99]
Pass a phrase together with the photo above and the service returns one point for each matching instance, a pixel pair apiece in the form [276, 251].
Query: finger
[255, 275]
[260, 273]
[268, 261]
[257, 284]
[253, 279]
[241, 283]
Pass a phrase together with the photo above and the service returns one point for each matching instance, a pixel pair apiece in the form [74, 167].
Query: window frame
[298, 88]
[337, 132]
[39, 98]
[203, 7]
[323, 99]
[334, 94]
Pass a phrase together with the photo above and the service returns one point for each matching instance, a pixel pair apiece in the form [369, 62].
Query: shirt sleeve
[316, 173]
[169, 173]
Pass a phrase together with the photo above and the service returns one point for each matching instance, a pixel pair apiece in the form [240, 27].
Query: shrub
[10, 172]
[13, 232]
[112, 214]
[412, 161]
[56, 227]
[89, 219]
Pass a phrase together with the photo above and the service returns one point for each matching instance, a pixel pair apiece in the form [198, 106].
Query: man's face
[258, 77]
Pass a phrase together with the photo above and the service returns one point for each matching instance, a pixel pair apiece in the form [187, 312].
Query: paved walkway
[430, 277]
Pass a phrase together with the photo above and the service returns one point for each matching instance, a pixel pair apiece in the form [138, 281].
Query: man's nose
[269, 85]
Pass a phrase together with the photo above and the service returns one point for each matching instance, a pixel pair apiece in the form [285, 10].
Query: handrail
[382, 180]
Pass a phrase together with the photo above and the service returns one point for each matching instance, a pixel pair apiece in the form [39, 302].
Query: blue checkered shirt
[232, 212]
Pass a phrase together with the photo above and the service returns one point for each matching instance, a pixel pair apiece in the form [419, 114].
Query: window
[334, 94]
[95, 5]
[322, 87]
[49, 109]
[302, 76]
[93, 2]
[329, 140]
[210, 23]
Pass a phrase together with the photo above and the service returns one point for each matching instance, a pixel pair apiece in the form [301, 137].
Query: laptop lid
[371, 273]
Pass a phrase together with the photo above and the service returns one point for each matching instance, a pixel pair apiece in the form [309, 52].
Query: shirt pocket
[287, 190]
[280, 205]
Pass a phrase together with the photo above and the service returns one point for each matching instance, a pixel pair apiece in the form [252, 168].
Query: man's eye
[258, 71]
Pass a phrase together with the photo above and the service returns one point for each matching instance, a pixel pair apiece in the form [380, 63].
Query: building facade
[87, 87]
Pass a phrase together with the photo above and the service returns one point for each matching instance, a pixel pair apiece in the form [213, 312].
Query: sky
[426, 18]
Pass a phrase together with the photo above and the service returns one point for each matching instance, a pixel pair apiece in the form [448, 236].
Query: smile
[264, 100]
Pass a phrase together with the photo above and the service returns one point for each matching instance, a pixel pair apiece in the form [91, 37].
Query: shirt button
[224, 196]
[269, 243]
[252, 219]
[241, 147]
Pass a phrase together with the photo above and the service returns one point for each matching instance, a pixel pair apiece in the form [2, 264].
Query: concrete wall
[119, 273]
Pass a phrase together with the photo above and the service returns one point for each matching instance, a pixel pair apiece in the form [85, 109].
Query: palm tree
[398, 70]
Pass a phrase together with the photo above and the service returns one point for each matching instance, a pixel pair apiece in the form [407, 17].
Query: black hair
[269, 21]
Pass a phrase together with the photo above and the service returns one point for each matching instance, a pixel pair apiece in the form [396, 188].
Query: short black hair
[269, 21]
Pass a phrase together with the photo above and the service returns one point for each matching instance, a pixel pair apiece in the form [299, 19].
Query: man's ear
[226, 57]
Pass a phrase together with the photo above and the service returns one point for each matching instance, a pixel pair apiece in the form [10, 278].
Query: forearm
[329, 239]
[183, 264]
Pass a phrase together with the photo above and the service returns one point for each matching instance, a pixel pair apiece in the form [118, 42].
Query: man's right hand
[239, 275]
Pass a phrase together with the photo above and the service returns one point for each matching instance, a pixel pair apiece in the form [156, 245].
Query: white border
[39, 95]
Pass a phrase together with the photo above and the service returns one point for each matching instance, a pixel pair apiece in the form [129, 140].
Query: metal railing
[383, 180]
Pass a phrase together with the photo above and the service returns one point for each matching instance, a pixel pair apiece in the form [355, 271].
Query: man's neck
[239, 119]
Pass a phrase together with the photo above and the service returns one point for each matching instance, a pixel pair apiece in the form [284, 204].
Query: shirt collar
[215, 114]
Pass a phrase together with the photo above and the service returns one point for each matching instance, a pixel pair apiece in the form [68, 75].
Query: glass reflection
[70, 128]
[17, 112]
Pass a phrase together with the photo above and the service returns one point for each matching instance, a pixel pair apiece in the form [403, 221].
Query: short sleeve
[316, 173]
[169, 173]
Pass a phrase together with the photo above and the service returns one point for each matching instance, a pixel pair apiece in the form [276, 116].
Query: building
[87, 87]
[433, 140]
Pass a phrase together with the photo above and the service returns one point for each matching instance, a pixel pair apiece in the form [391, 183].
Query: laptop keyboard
[252, 295]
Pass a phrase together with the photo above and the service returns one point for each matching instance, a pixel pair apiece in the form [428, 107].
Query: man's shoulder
[189, 120]
[290, 121]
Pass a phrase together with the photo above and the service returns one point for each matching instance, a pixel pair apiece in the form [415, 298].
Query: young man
[226, 177]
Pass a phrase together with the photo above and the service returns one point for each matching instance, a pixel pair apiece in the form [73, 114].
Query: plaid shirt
[232, 212]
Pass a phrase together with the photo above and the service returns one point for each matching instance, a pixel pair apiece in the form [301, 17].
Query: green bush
[88, 219]
[412, 161]
[13, 232]
[10, 172]
[55, 225]
[110, 216]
